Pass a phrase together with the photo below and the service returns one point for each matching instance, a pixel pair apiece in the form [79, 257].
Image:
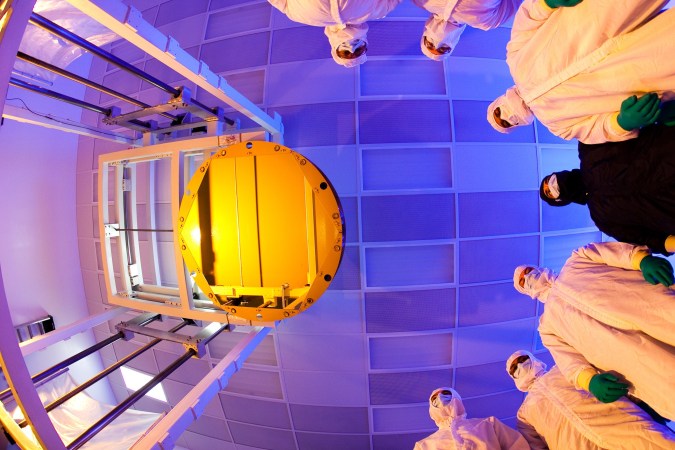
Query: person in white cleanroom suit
[344, 22]
[456, 432]
[449, 18]
[609, 331]
[585, 71]
[556, 416]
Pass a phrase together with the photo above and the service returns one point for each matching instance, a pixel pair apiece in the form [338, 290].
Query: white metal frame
[157, 298]
[128, 23]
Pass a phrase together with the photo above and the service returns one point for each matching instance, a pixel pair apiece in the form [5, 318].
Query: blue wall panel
[299, 44]
[226, 55]
[495, 259]
[415, 265]
[389, 312]
[404, 121]
[330, 419]
[423, 77]
[492, 303]
[408, 217]
[406, 387]
[565, 217]
[316, 75]
[320, 124]
[395, 38]
[492, 167]
[406, 168]
[238, 20]
[325, 441]
[411, 351]
[471, 125]
[495, 213]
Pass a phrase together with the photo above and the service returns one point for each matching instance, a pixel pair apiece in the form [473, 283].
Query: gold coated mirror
[261, 231]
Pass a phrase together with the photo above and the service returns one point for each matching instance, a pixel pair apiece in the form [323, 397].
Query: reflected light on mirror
[134, 380]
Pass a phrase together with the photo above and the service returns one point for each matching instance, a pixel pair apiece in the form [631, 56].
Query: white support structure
[159, 298]
[19, 114]
[163, 435]
[45, 340]
[128, 23]
[164, 299]
[18, 377]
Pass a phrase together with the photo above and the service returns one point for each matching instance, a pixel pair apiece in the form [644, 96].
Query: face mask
[527, 372]
[567, 186]
[538, 282]
[351, 46]
[445, 408]
[553, 186]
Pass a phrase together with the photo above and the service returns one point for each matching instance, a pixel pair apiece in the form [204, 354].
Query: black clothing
[630, 186]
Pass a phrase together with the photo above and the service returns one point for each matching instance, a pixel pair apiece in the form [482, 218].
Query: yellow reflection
[262, 229]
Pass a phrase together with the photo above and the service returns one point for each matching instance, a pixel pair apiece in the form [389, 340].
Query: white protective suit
[574, 66]
[602, 315]
[456, 432]
[344, 20]
[450, 17]
[556, 416]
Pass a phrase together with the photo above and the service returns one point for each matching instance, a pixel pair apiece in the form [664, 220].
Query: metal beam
[58, 96]
[19, 114]
[96, 86]
[68, 331]
[128, 23]
[18, 378]
[58, 402]
[48, 25]
[166, 432]
[117, 411]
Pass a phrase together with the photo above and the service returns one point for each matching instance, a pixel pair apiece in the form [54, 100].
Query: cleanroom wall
[439, 210]
[39, 248]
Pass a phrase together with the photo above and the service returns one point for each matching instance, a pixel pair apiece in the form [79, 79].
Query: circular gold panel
[261, 231]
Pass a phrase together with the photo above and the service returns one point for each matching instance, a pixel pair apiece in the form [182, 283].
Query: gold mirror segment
[261, 230]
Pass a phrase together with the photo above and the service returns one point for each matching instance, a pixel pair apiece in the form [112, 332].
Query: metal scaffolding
[185, 114]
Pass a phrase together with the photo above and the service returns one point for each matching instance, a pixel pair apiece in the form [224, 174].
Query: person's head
[508, 112]
[440, 38]
[533, 281]
[563, 188]
[445, 405]
[524, 368]
[349, 43]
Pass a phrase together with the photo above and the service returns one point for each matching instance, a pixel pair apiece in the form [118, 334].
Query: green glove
[657, 270]
[562, 3]
[667, 114]
[636, 113]
[607, 388]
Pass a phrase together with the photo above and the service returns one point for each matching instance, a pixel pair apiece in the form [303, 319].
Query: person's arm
[281, 5]
[509, 439]
[630, 257]
[531, 15]
[591, 129]
[534, 439]
[615, 254]
[498, 16]
[572, 364]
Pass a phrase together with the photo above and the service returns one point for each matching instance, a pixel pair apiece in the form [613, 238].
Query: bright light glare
[196, 235]
[135, 380]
